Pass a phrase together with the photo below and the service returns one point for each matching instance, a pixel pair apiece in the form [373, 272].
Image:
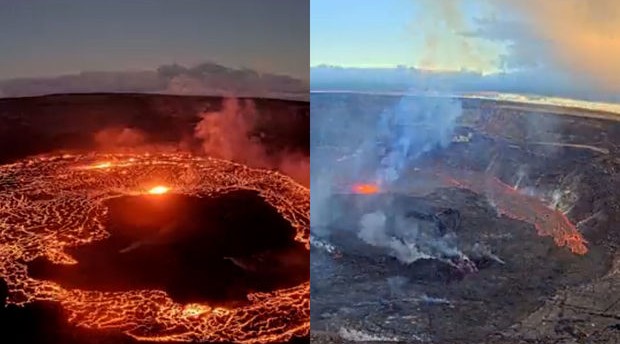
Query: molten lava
[50, 203]
[366, 189]
[159, 190]
[512, 203]
[102, 165]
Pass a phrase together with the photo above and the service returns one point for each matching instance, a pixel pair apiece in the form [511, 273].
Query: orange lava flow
[102, 165]
[366, 189]
[50, 203]
[512, 203]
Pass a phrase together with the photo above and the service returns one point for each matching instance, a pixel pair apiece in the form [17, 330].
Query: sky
[371, 34]
[568, 46]
[55, 37]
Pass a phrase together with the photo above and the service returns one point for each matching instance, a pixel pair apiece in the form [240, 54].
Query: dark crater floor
[212, 250]
[430, 300]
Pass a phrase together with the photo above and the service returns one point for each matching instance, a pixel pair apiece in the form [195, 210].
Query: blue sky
[360, 33]
[367, 33]
[559, 47]
[52, 37]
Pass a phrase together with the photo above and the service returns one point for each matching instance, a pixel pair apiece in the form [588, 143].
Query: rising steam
[228, 134]
[406, 239]
[373, 232]
[391, 143]
[413, 127]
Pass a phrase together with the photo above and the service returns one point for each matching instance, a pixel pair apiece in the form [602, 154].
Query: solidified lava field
[147, 245]
[510, 229]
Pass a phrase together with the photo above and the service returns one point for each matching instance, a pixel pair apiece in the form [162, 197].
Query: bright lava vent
[159, 190]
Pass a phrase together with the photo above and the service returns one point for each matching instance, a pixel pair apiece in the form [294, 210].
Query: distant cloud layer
[203, 79]
[549, 83]
[562, 48]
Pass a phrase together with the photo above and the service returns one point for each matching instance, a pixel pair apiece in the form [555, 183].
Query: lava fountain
[51, 203]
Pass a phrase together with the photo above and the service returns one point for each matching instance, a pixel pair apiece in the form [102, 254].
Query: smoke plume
[413, 127]
[374, 232]
[380, 149]
[438, 25]
[405, 239]
[229, 134]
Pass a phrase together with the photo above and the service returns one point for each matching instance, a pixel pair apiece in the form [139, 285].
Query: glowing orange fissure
[366, 189]
[73, 213]
[102, 165]
[512, 203]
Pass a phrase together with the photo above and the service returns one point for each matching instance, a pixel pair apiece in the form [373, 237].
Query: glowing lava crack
[50, 203]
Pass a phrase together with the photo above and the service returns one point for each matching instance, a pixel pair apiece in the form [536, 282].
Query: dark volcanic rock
[35, 125]
[538, 293]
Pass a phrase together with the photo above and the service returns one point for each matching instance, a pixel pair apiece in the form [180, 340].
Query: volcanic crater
[508, 229]
[148, 240]
[213, 249]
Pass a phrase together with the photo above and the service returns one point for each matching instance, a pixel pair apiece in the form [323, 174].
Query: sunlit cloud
[440, 28]
[556, 48]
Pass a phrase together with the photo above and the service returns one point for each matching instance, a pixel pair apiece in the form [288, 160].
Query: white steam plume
[407, 241]
[227, 134]
[413, 127]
